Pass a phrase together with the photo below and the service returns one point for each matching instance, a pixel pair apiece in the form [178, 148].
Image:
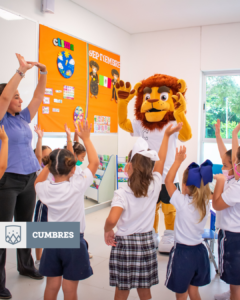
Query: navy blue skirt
[72, 264]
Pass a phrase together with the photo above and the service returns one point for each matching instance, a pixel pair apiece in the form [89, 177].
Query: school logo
[13, 234]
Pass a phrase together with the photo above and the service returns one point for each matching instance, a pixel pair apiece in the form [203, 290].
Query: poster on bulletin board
[66, 90]
[104, 72]
[80, 83]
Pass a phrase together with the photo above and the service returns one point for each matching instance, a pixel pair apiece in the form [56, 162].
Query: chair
[209, 237]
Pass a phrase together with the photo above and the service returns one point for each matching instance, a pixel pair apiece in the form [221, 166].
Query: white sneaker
[156, 238]
[37, 264]
[90, 255]
[167, 242]
[224, 296]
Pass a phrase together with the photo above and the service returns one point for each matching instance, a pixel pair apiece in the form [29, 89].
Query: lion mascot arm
[179, 113]
[125, 94]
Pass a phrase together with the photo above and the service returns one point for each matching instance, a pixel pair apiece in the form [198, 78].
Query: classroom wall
[185, 53]
[79, 22]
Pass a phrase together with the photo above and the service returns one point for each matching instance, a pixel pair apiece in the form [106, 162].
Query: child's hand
[219, 177]
[217, 127]
[169, 131]
[38, 131]
[110, 238]
[236, 129]
[181, 154]
[3, 135]
[68, 131]
[83, 130]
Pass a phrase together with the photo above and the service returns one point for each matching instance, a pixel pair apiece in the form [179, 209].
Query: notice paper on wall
[102, 124]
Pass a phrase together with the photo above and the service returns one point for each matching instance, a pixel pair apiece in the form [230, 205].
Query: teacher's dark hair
[2, 87]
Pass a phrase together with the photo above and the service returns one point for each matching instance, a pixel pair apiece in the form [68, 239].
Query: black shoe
[34, 275]
[5, 294]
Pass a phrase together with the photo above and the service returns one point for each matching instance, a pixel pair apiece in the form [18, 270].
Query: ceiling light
[9, 16]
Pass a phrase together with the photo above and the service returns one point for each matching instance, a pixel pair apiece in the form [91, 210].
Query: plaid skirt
[133, 262]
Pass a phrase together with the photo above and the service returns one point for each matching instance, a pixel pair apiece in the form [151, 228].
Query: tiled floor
[97, 287]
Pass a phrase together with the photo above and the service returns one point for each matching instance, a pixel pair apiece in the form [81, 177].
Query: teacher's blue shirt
[21, 158]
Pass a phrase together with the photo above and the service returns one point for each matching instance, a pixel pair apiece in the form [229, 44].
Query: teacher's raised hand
[24, 65]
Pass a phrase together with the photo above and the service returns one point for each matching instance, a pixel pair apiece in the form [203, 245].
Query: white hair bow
[141, 147]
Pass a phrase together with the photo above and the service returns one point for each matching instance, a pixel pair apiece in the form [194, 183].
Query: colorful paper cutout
[78, 114]
[56, 110]
[68, 92]
[105, 81]
[65, 64]
[45, 110]
[48, 91]
[57, 101]
[46, 100]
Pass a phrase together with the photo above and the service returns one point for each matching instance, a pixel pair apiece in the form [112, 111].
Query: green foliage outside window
[222, 102]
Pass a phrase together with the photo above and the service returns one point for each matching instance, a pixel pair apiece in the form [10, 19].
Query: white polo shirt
[230, 218]
[227, 184]
[154, 139]
[78, 170]
[187, 229]
[65, 200]
[138, 213]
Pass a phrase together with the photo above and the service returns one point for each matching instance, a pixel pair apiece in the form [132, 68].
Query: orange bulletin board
[102, 98]
[70, 64]
[61, 113]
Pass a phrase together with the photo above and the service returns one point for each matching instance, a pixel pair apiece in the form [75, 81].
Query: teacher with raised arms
[17, 193]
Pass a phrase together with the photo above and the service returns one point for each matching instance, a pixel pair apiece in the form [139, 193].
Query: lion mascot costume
[160, 101]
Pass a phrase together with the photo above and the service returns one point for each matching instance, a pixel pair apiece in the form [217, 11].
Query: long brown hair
[200, 196]
[142, 175]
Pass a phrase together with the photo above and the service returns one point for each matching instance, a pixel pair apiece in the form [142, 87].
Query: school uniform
[64, 202]
[227, 184]
[133, 262]
[229, 236]
[41, 209]
[188, 262]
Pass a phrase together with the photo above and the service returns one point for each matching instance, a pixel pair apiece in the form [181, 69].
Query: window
[221, 100]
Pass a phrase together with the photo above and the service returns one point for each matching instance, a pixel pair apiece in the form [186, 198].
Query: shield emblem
[13, 234]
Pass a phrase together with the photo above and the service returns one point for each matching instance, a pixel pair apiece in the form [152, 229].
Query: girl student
[227, 201]
[133, 260]
[65, 267]
[41, 152]
[188, 266]
[79, 152]
[228, 172]
[3, 151]
[77, 149]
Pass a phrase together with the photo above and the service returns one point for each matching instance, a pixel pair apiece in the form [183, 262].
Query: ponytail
[61, 162]
[200, 196]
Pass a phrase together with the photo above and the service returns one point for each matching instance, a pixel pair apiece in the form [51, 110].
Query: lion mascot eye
[147, 96]
[164, 96]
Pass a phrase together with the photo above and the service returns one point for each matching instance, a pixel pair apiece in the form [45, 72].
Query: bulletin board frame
[63, 134]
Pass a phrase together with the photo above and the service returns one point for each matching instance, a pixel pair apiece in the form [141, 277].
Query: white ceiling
[136, 16]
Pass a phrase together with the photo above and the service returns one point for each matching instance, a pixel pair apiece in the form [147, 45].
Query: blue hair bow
[196, 173]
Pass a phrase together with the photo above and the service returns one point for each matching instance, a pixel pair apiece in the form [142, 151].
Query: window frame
[203, 139]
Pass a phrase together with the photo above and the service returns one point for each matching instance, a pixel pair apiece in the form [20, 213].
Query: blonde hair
[200, 196]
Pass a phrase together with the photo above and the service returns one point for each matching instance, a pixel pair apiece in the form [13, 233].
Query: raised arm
[221, 147]
[10, 89]
[235, 146]
[43, 176]
[76, 137]
[4, 151]
[169, 180]
[159, 165]
[38, 150]
[39, 92]
[83, 131]
[125, 94]
[69, 140]
[217, 200]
